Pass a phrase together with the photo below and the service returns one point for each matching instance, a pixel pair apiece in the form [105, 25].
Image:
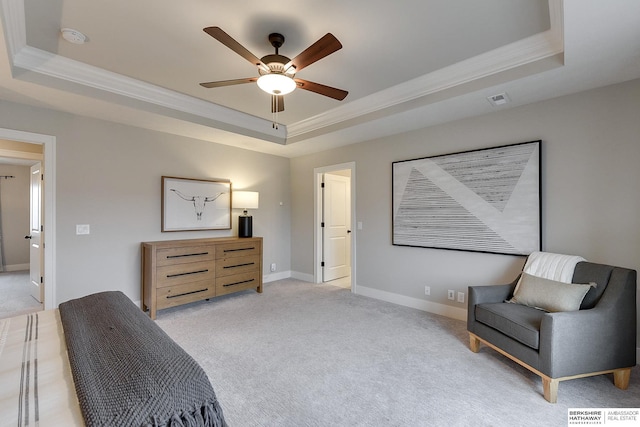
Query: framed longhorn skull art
[195, 204]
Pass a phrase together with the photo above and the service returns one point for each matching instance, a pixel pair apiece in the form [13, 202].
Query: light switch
[359, 225]
[83, 229]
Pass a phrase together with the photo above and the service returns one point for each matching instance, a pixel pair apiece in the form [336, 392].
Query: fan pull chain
[274, 108]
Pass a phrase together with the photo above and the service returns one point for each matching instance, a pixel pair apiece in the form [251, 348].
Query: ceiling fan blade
[323, 47]
[277, 103]
[228, 41]
[329, 91]
[222, 83]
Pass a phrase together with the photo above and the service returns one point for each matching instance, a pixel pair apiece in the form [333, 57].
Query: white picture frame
[190, 204]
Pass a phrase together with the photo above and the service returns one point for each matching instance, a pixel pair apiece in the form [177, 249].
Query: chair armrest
[485, 294]
[593, 340]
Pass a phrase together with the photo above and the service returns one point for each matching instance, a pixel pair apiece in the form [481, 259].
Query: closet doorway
[335, 237]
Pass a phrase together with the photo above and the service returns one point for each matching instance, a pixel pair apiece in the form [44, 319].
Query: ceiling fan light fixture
[276, 84]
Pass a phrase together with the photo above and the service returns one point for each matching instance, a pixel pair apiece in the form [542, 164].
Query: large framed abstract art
[484, 200]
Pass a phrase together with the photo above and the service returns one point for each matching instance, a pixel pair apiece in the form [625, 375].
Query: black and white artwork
[484, 200]
[195, 204]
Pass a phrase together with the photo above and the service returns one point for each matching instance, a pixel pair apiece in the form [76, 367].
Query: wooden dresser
[176, 272]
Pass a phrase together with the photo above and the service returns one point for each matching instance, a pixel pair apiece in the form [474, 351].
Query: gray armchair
[600, 338]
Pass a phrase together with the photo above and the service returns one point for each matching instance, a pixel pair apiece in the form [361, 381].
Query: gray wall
[590, 174]
[14, 196]
[109, 176]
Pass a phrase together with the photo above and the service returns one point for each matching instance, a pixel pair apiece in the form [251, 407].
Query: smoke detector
[499, 99]
[73, 36]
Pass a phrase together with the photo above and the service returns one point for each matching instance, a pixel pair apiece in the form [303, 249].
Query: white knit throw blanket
[552, 266]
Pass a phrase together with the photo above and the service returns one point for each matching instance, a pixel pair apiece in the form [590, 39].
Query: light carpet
[15, 298]
[302, 354]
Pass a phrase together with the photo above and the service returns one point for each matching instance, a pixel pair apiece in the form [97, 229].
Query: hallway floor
[15, 298]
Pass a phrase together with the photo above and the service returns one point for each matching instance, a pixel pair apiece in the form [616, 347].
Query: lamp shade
[276, 84]
[245, 199]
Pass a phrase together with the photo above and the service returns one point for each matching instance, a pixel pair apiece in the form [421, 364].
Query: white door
[36, 285]
[337, 227]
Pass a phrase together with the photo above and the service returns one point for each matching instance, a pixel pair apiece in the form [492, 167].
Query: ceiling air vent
[499, 99]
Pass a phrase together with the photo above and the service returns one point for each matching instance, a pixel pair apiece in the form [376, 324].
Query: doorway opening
[37, 150]
[334, 212]
[20, 211]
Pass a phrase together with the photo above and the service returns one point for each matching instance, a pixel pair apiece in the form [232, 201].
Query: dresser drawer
[186, 254]
[182, 294]
[240, 249]
[238, 282]
[237, 265]
[170, 275]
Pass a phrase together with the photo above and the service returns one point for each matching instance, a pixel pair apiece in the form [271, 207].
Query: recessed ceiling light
[73, 36]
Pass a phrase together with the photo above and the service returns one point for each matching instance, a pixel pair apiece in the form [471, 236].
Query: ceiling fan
[277, 72]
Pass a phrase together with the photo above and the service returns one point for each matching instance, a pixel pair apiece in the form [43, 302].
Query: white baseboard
[272, 277]
[302, 276]
[16, 267]
[420, 304]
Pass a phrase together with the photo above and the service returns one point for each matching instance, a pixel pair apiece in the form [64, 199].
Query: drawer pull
[187, 293]
[239, 249]
[240, 265]
[186, 255]
[187, 273]
[239, 283]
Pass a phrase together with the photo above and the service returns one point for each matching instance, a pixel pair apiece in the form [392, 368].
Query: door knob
[348, 231]
[27, 237]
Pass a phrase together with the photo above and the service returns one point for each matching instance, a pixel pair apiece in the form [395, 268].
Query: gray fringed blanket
[128, 372]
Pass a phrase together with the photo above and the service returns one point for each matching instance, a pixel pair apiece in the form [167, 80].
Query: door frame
[48, 143]
[317, 222]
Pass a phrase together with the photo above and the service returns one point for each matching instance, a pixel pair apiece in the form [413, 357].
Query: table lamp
[245, 200]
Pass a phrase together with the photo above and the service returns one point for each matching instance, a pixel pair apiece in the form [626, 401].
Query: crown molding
[529, 50]
[509, 57]
[58, 67]
[14, 25]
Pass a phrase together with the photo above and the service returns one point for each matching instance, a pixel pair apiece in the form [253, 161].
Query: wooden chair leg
[621, 378]
[474, 343]
[550, 389]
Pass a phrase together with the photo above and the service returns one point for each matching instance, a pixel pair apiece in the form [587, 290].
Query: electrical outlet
[273, 266]
[83, 229]
[427, 290]
[451, 294]
[460, 296]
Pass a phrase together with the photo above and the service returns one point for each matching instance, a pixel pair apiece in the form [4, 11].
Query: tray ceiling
[406, 64]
